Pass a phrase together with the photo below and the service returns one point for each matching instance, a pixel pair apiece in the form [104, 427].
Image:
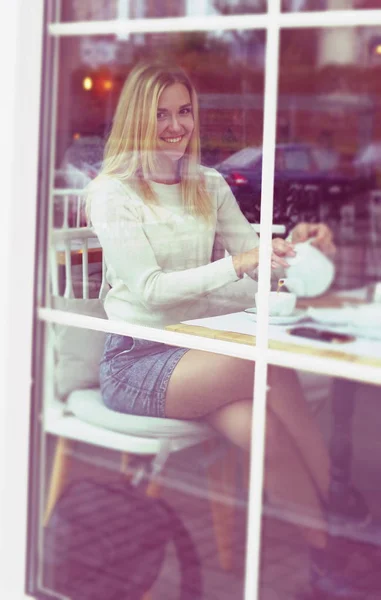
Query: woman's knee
[234, 422]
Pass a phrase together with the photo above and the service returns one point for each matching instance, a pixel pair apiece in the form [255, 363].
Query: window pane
[313, 5]
[327, 174]
[91, 76]
[101, 10]
[204, 482]
[328, 132]
[287, 550]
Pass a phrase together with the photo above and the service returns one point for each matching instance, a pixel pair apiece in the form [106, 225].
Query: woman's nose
[174, 123]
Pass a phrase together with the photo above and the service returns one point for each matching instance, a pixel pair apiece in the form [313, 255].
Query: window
[318, 117]
[297, 160]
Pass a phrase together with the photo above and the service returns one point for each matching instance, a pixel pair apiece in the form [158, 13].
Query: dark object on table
[108, 541]
[321, 335]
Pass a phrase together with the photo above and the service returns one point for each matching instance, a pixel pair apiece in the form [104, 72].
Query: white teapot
[310, 272]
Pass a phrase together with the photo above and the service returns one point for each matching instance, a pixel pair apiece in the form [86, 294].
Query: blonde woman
[157, 213]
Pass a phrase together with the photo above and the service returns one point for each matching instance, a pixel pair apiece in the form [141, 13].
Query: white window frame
[22, 25]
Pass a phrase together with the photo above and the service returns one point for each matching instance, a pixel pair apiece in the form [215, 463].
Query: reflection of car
[302, 186]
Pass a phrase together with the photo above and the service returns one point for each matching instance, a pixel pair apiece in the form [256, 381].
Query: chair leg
[221, 479]
[153, 489]
[59, 475]
[124, 459]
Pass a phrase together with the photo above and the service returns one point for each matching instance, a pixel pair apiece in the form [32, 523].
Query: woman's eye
[161, 115]
[185, 111]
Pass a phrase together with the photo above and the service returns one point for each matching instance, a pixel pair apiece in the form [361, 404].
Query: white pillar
[20, 67]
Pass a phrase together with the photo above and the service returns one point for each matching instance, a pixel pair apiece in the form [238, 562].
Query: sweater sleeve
[233, 229]
[116, 219]
[234, 232]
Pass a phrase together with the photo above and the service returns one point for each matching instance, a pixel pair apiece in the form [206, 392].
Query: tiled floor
[284, 570]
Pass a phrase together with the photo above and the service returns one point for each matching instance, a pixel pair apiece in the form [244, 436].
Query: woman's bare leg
[293, 412]
[286, 479]
[203, 382]
[219, 388]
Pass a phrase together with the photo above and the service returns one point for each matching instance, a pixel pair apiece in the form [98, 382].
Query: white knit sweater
[159, 258]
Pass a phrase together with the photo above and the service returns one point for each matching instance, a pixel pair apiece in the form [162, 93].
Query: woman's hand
[281, 249]
[321, 232]
[247, 262]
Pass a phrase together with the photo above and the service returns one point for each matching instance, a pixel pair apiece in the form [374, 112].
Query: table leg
[343, 399]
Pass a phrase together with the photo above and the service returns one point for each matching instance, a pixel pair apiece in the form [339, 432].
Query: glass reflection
[328, 107]
[203, 486]
[200, 480]
[317, 5]
[93, 71]
[101, 10]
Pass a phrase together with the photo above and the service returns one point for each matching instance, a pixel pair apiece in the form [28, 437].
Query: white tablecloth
[243, 323]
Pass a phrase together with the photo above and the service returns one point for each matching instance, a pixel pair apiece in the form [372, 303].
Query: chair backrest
[77, 267]
[78, 285]
[68, 208]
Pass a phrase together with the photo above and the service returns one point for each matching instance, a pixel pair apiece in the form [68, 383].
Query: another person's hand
[247, 262]
[281, 249]
[322, 234]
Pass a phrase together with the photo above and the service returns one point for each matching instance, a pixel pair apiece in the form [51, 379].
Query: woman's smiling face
[174, 121]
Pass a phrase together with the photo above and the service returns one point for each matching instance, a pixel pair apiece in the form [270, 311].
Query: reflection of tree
[229, 7]
[295, 5]
[94, 9]
[366, 4]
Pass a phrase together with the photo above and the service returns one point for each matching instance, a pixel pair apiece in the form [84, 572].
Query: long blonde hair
[130, 150]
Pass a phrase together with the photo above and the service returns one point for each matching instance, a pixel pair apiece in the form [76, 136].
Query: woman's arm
[233, 229]
[239, 237]
[129, 254]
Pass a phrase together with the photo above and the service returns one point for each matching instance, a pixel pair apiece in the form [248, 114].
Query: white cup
[281, 304]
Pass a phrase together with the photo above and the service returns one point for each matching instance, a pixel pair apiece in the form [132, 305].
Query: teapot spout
[294, 285]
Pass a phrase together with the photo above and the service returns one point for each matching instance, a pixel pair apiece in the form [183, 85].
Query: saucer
[331, 316]
[296, 316]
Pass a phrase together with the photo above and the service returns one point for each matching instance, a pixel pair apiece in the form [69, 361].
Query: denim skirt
[134, 374]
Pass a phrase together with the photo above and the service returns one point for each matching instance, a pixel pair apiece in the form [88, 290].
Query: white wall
[20, 59]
